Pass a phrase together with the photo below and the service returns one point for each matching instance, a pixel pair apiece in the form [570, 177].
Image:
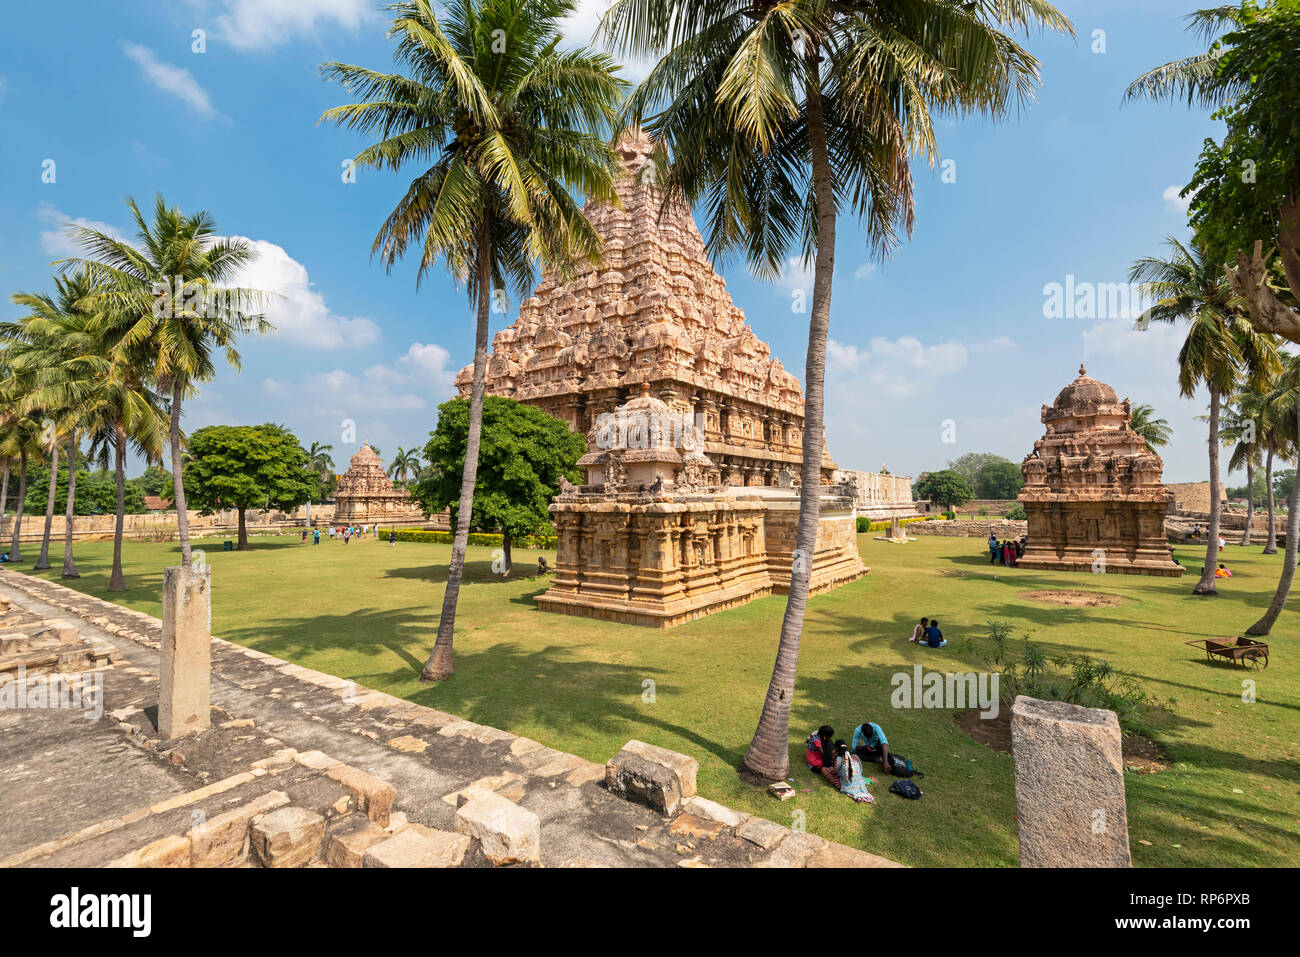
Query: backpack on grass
[906, 789]
[901, 767]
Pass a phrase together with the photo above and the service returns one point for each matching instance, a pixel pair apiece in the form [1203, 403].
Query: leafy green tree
[969, 465]
[524, 454]
[170, 309]
[1155, 432]
[504, 127]
[1222, 352]
[1283, 403]
[999, 480]
[1245, 194]
[247, 466]
[947, 488]
[777, 116]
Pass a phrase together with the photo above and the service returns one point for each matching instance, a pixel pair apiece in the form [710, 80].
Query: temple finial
[1082, 370]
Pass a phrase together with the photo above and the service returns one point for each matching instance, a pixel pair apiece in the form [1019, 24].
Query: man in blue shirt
[870, 743]
[933, 636]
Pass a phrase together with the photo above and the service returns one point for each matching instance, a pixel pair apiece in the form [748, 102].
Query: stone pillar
[184, 681]
[1069, 785]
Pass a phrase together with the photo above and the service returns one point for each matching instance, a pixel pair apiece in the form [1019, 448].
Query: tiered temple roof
[653, 311]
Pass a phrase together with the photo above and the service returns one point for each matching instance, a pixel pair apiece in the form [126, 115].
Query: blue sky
[947, 339]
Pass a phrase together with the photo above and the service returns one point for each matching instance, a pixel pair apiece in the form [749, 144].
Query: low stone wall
[962, 528]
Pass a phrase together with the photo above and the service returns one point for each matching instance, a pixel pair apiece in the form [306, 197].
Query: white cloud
[580, 30]
[865, 271]
[1175, 201]
[169, 78]
[264, 24]
[896, 368]
[796, 275]
[302, 316]
[56, 239]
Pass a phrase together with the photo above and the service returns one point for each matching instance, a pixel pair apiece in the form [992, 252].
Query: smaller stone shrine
[365, 493]
[654, 537]
[1092, 492]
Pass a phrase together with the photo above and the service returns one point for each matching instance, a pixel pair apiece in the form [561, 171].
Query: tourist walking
[315, 536]
[392, 537]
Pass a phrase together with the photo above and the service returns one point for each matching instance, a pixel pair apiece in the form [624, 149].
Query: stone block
[289, 837]
[1069, 769]
[171, 851]
[652, 775]
[185, 673]
[714, 811]
[507, 833]
[373, 795]
[418, 846]
[347, 840]
[220, 840]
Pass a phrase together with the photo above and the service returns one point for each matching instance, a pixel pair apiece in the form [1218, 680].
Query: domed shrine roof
[1084, 394]
[365, 458]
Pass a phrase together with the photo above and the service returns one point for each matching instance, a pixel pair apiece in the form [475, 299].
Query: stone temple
[366, 494]
[1092, 491]
[655, 312]
[652, 537]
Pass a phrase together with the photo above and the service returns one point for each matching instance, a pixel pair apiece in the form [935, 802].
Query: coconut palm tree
[19, 439]
[502, 125]
[1275, 426]
[1221, 349]
[1155, 432]
[1284, 401]
[777, 115]
[164, 296]
[1241, 430]
[321, 465]
[405, 464]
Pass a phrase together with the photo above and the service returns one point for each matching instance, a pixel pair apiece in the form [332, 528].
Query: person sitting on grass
[1222, 571]
[918, 633]
[848, 767]
[933, 636]
[870, 743]
[820, 754]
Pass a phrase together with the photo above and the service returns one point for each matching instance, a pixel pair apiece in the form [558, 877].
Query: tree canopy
[968, 466]
[999, 480]
[947, 488]
[523, 455]
[246, 466]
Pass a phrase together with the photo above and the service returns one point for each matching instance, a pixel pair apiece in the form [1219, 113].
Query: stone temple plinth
[653, 539]
[365, 493]
[1092, 492]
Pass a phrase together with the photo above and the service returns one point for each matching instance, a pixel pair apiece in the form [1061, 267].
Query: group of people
[1008, 552]
[840, 763]
[1198, 530]
[928, 633]
[348, 532]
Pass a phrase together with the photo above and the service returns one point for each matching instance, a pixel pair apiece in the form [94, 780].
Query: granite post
[186, 672]
[1069, 770]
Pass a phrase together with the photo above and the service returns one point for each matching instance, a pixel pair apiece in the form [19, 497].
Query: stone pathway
[303, 768]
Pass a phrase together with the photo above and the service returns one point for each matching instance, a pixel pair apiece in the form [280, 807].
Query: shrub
[1016, 513]
[867, 525]
[1074, 679]
[486, 539]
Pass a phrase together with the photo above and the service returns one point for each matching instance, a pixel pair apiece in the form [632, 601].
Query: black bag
[906, 789]
[901, 767]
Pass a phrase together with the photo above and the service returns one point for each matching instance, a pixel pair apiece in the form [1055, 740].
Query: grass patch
[368, 612]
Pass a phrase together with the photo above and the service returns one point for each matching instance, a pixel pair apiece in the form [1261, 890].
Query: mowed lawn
[368, 612]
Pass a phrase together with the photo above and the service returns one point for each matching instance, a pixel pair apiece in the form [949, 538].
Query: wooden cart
[1239, 650]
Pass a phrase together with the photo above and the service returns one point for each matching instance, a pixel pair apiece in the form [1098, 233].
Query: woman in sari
[848, 767]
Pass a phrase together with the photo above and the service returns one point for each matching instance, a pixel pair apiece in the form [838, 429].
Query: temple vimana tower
[1092, 492]
[653, 312]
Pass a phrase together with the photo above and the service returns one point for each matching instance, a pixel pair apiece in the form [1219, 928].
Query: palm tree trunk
[768, 756]
[16, 552]
[178, 484]
[4, 493]
[70, 566]
[43, 561]
[440, 665]
[1250, 501]
[1265, 624]
[1270, 543]
[115, 581]
[1206, 585]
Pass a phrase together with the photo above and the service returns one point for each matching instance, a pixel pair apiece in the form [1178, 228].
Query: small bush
[1016, 513]
[486, 539]
[867, 525]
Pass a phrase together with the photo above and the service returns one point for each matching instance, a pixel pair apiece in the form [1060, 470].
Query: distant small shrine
[365, 493]
[1093, 493]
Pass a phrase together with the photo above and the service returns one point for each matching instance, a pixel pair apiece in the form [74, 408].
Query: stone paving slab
[285, 725]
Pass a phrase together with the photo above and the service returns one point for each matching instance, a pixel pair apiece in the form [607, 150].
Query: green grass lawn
[369, 613]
